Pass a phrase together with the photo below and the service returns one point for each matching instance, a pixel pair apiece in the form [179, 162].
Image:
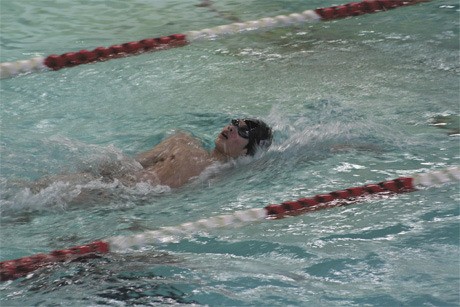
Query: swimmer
[179, 158]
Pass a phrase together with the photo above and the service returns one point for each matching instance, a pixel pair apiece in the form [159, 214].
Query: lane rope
[70, 59]
[12, 269]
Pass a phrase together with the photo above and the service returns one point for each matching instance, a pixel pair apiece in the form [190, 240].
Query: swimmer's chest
[180, 160]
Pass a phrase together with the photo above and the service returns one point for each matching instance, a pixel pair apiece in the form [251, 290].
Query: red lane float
[12, 269]
[339, 198]
[360, 8]
[70, 59]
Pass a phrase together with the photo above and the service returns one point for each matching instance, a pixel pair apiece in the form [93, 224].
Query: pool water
[351, 102]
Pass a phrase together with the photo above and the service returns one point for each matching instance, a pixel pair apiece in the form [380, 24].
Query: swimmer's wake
[12, 269]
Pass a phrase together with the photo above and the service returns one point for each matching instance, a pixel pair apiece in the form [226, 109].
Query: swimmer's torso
[174, 161]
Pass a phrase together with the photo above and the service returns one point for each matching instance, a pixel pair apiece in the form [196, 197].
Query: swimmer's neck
[216, 155]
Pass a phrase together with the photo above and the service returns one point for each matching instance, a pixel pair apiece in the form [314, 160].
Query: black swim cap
[260, 135]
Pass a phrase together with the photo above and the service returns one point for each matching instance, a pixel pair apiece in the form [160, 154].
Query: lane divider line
[12, 269]
[71, 59]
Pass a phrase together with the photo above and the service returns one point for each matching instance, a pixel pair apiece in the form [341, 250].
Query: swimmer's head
[258, 133]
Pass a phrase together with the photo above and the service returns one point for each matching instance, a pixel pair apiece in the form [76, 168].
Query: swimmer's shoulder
[180, 145]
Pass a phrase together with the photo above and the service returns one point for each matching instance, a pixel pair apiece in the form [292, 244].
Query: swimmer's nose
[231, 129]
[228, 131]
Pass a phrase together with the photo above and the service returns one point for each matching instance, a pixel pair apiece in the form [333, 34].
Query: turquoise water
[351, 102]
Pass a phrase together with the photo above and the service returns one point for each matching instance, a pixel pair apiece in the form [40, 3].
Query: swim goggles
[243, 131]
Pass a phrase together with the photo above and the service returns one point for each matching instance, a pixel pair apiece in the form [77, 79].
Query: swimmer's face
[230, 142]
